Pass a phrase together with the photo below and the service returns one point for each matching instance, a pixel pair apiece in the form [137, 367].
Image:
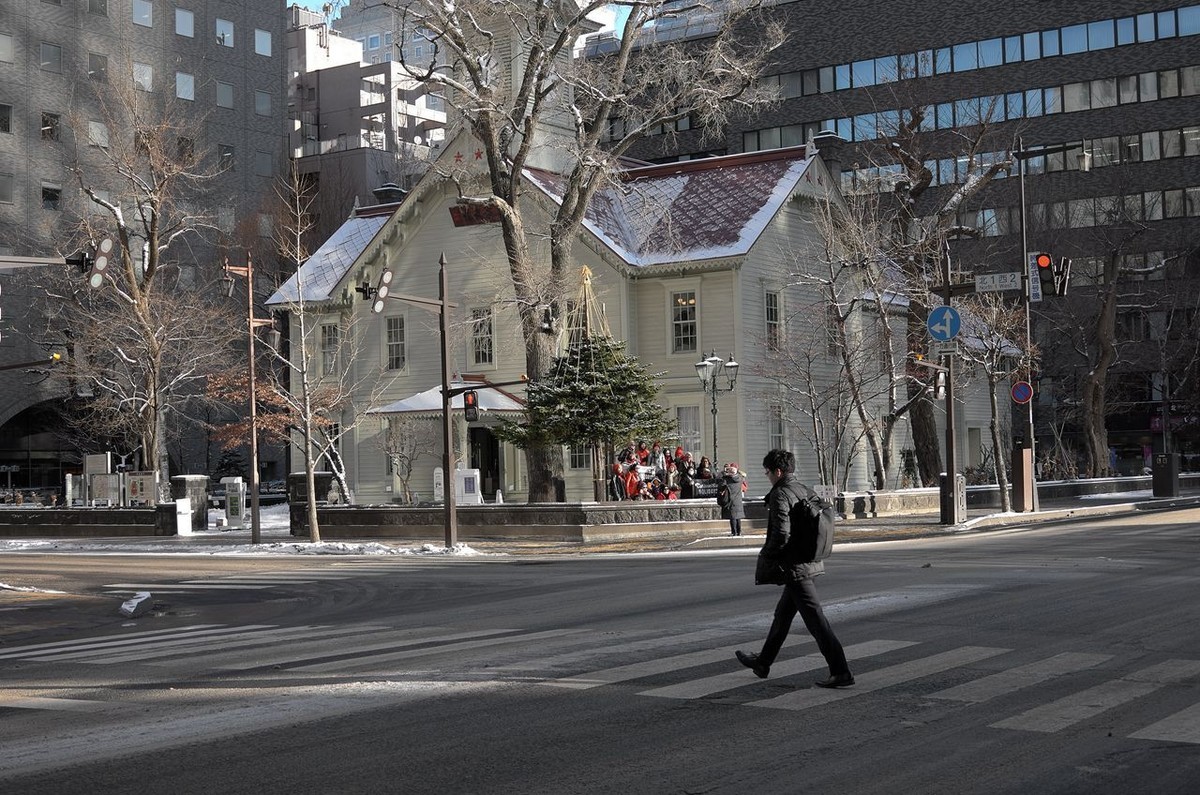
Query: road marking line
[316, 648]
[743, 678]
[134, 637]
[59, 704]
[354, 663]
[1101, 698]
[644, 644]
[884, 677]
[658, 665]
[190, 646]
[175, 587]
[90, 650]
[1014, 679]
[1182, 727]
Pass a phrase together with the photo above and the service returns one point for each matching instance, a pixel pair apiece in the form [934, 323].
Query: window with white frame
[185, 85]
[482, 340]
[687, 419]
[6, 112]
[262, 103]
[262, 42]
[185, 23]
[224, 95]
[6, 47]
[224, 32]
[394, 342]
[776, 438]
[6, 188]
[329, 348]
[684, 332]
[143, 76]
[579, 456]
[143, 13]
[773, 315]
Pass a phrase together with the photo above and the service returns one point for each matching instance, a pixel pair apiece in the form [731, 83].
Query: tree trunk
[1095, 383]
[925, 440]
[998, 449]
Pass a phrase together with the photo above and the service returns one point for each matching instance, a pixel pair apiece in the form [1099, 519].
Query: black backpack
[812, 525]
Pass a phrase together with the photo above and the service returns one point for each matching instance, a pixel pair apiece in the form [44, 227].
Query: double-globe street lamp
[709, 371]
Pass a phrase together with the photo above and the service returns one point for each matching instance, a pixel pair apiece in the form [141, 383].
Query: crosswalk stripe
[135, 637]
[1182, 727]
[657, 641]
[190, 646]
[1003, 682]
[174, 587]
[355, 662]
[87, 650]
[58, 704]
[357, 640]
[658, 665]
[731, 680]
[884, 677]
[1101, 698]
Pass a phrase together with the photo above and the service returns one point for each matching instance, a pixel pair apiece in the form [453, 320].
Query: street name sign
[997, 282]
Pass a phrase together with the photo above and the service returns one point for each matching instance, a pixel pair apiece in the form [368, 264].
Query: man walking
[782, 563]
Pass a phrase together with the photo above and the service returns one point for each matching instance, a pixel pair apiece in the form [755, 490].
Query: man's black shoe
[751, 662]
[837, 680]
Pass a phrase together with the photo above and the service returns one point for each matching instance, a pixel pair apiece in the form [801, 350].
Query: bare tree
[145, 339]
[508, 72]
[404, 439]
[993, 341]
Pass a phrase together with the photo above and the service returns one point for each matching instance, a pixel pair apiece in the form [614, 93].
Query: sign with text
[1035, 280]
[997, 282]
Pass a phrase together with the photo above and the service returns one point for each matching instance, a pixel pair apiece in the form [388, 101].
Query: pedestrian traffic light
[471, 405]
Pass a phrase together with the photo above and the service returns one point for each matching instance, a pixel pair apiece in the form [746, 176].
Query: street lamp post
[709, 371]
[1021, 154]
[252, 323]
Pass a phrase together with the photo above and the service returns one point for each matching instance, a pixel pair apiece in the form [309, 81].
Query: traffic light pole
[1027, 281]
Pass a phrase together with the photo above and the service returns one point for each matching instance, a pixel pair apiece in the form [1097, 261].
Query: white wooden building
[686, 258]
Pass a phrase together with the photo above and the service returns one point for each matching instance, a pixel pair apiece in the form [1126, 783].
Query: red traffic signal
[1044, 260]
[471, 405]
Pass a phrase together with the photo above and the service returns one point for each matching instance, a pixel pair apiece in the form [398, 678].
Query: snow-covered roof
[693, 210]
[430, 401]
[321, 273]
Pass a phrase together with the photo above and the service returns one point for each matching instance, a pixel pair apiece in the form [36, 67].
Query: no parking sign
[1022, 392]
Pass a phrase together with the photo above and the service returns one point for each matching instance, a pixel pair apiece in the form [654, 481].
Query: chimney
[389, 193]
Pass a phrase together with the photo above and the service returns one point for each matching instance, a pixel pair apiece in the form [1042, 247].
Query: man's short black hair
[782, 460]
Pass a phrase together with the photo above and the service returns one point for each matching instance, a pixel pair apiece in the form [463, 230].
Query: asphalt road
[1063, 659]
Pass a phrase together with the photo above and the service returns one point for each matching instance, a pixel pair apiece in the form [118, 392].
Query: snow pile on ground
[274, 530]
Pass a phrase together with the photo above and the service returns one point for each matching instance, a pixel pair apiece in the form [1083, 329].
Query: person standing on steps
[780, 563]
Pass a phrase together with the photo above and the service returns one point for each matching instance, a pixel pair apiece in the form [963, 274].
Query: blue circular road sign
[1022, 392]
[943, 323]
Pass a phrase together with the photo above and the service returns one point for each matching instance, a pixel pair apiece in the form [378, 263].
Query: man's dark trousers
[801, 597]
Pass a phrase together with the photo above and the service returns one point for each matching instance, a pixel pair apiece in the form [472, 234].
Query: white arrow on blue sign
[944, 323]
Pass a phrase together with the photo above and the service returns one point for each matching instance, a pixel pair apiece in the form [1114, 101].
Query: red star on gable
[479, 154]
[458, 157]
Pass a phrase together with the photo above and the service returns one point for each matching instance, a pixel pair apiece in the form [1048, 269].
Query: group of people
[645, 471]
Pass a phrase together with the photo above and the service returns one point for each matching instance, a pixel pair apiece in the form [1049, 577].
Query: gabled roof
[692, 210]
[657, 214]
[321, 273]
